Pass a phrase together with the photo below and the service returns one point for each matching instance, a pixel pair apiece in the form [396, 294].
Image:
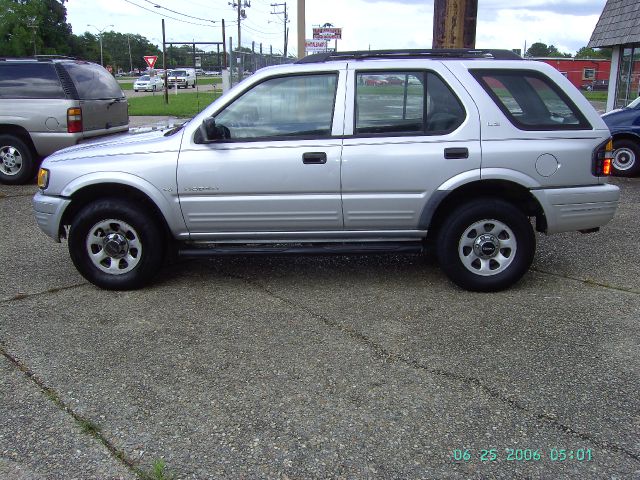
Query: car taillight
[74, 120]
[602, 158]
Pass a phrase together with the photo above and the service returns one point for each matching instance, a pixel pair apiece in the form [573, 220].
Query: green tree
[586, 52]
[554, 52]
[537, 49]
[29, 27]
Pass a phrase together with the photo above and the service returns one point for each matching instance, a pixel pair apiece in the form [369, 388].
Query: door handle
[456, 153]
[314, 158]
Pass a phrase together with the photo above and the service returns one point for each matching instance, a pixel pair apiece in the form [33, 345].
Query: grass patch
[595, 96]
[200, 81]
[181, 105]
[158, 472]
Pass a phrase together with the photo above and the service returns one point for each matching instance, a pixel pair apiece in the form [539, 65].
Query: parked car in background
[394, 81]
[182, 78]
[624, 125]
[148, 83]
[596, 85]
[305, 158]
[47, 104]
[374, 81]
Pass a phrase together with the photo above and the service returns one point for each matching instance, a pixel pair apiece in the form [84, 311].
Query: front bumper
[48, 211]
[578, 208]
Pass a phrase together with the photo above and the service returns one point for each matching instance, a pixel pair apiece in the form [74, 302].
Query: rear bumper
[48, 211]
[578, 208]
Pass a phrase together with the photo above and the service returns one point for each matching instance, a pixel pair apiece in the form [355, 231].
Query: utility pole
[241, 16]
[130, 60]
[454, 23]
[286, 21]
[100, 38]
[301, 29]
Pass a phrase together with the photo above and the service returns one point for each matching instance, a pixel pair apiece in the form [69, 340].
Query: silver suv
[50, 103]
[357, 152]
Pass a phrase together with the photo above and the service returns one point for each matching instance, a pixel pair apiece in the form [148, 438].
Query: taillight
[602, 158]
[74, 120]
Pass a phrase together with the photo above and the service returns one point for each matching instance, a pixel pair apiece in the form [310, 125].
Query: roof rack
[37, 58]
[412, 53]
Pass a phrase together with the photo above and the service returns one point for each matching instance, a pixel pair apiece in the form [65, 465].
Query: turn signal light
[74, 120]
[43, 178]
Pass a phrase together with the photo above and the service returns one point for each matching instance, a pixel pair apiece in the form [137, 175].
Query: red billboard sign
[327, 33]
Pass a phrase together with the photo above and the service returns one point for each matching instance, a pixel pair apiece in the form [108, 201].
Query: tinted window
[531, 100]
[93, 82]
[29, 80]
[300, 105]
[405, 103]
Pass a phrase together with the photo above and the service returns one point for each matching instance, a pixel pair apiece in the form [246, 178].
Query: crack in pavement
[21, 295]
[587, 281]
[390, 356]
[85, 425]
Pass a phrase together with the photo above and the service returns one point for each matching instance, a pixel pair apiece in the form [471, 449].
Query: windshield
[635, 103]
[179, 73]
[144, 78]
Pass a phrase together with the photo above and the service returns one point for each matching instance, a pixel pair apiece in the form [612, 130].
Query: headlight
[43, 178]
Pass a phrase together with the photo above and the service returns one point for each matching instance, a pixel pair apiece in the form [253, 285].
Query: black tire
[136, 236]
[17, 161]
[626, 158]
[486, 245]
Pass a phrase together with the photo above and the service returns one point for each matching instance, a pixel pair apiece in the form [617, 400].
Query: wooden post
[454, 23]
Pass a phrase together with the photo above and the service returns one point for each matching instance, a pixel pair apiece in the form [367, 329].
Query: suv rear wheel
[487, 245]
[17, 164]
[115, 246]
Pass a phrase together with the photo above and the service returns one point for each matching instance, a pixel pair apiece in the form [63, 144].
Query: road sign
[315, 46]
[327, 33]
[150, 59]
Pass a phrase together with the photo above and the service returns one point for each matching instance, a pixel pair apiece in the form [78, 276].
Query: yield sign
[150, 59]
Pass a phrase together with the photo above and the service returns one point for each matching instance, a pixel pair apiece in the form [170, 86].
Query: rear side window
[93, 82]
[29, 80]
[405, 103]
[531, 100]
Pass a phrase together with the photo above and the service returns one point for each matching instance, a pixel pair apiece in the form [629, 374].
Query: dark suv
[50, 103]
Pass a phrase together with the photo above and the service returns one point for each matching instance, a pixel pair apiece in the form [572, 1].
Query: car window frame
[282, 138]
[386, 72]
[583, 122]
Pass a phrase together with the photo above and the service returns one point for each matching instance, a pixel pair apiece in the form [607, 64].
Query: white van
[182, 77]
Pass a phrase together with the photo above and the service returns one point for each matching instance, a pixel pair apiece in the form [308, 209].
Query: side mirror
[210, 132]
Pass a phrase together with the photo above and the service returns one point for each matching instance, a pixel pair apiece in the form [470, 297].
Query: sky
[366, 24]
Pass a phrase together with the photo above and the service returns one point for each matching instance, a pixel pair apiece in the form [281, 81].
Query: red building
[581, 71]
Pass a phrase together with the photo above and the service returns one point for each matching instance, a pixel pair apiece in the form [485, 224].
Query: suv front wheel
[17, 164]
[486, 245]
[114, 245]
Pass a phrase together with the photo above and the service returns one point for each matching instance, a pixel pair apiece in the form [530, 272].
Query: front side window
[531, 100]
[295, 106]
[405, 103]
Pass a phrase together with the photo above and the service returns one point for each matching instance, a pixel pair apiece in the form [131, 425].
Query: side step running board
[321, 249]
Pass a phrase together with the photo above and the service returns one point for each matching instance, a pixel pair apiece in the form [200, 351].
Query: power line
[157, 5]
[167, 16]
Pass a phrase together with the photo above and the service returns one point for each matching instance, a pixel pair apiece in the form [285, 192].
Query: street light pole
[100, 38]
